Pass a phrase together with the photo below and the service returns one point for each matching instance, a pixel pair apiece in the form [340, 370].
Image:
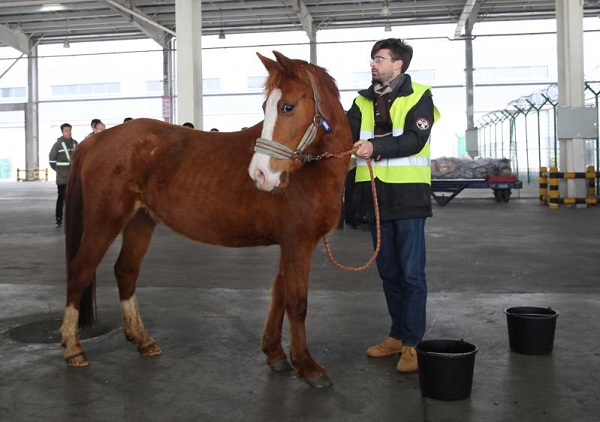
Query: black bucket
[446, 368]
[531, 329]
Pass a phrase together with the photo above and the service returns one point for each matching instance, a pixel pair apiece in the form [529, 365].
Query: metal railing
[526, 132]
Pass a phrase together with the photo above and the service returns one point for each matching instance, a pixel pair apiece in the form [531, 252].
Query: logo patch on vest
[422, 123]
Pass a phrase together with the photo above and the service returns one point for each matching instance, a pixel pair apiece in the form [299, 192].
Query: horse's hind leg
[80, 275]
[136, 239]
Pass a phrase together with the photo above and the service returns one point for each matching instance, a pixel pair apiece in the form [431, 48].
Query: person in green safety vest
[391, 122]
[60, 161]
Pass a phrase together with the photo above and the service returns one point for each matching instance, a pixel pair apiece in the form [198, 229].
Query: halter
[277, 150]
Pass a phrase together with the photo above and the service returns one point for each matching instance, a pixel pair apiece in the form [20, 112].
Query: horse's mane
[326, 79]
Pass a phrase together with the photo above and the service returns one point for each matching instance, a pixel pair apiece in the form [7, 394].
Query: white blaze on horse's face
[260, 169]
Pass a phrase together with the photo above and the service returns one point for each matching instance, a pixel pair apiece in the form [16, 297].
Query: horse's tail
[73, 233]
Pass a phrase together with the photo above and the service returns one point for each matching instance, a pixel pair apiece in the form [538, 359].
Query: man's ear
[399, 64]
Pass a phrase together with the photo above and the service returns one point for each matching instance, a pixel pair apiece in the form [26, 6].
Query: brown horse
[264, 185]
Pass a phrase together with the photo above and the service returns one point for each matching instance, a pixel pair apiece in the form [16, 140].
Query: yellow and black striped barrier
[32, 175]
[549, 190]
[543, 185]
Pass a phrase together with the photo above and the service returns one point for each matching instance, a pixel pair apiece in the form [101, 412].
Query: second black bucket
[531, 329]
[446, 368]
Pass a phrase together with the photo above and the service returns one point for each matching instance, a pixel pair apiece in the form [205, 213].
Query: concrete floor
[206, 306]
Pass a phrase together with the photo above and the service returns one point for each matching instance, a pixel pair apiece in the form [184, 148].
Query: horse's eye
[287, 108]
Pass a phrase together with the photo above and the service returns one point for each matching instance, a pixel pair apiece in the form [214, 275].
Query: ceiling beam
[155, 31]
[14, 39]
[303, 14]
[467, 17]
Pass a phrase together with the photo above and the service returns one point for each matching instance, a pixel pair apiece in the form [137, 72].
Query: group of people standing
[391, 122]
[60, 161]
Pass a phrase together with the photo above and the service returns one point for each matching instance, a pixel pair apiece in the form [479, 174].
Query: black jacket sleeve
[354, 117]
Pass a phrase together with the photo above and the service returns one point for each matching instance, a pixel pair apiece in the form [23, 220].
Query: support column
[569, 30]
[471, 134]
[188, 19]
[32, 139]
[313, 49]
[168, 102]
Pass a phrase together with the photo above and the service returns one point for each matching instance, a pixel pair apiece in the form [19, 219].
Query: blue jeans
[401, 266]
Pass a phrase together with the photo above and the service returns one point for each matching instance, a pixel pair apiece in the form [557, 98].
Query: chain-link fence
[526, 132]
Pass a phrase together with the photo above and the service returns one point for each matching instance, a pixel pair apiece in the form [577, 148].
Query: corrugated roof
[51, 21]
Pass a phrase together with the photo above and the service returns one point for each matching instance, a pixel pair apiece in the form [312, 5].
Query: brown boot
[408, 361]
[390, 346]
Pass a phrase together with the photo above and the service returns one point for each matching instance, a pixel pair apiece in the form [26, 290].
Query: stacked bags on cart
[466, 168]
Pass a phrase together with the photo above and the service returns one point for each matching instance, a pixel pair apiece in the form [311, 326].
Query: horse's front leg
[295, 265]
[271, 338]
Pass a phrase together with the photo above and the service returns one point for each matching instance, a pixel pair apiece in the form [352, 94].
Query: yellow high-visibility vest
[413, 169]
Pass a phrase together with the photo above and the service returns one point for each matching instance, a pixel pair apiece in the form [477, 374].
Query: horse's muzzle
[264, 178]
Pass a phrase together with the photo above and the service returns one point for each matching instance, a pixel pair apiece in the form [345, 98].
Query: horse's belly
[221, 231]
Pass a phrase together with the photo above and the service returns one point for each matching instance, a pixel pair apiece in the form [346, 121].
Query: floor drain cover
[47, 331]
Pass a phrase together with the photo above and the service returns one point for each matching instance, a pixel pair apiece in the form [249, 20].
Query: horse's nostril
[259, 176]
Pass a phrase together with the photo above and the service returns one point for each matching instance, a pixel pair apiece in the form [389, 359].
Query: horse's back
[195, 182]
[145, 149]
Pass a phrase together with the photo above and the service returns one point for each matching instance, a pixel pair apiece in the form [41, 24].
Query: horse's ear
[267, 62]
[286, 63]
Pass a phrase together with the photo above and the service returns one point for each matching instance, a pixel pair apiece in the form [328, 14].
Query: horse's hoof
[320, 381]
[78, 360]
[281, 366]
[150, 350]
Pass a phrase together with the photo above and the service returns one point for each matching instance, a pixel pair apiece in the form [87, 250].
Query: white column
[569, 31]
[188, 19]
[32, 142]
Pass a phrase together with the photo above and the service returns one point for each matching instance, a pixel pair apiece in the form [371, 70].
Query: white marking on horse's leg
[69, 331]
[132, 319]
[134, 328]
[260, 170]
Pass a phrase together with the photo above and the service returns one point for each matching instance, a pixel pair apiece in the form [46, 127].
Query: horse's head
[297, 93]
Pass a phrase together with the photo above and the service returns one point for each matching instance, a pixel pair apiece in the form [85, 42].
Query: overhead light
[19, 29]
[52, 7]
[385, 9]
[387, 27]
[221, 34]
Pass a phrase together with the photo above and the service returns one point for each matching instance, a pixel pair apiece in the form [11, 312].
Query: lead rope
[377, 223]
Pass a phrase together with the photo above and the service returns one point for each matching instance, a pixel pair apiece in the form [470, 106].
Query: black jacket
[396, 200]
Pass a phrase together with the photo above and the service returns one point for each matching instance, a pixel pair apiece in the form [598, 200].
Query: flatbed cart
[501, 185]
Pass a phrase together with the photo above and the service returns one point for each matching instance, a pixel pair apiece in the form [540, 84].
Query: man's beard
[376, 80]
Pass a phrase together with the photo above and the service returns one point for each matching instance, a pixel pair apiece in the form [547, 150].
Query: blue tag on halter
[325, 125]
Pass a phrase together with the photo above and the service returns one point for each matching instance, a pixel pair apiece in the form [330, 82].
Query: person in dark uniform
[60, 161]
